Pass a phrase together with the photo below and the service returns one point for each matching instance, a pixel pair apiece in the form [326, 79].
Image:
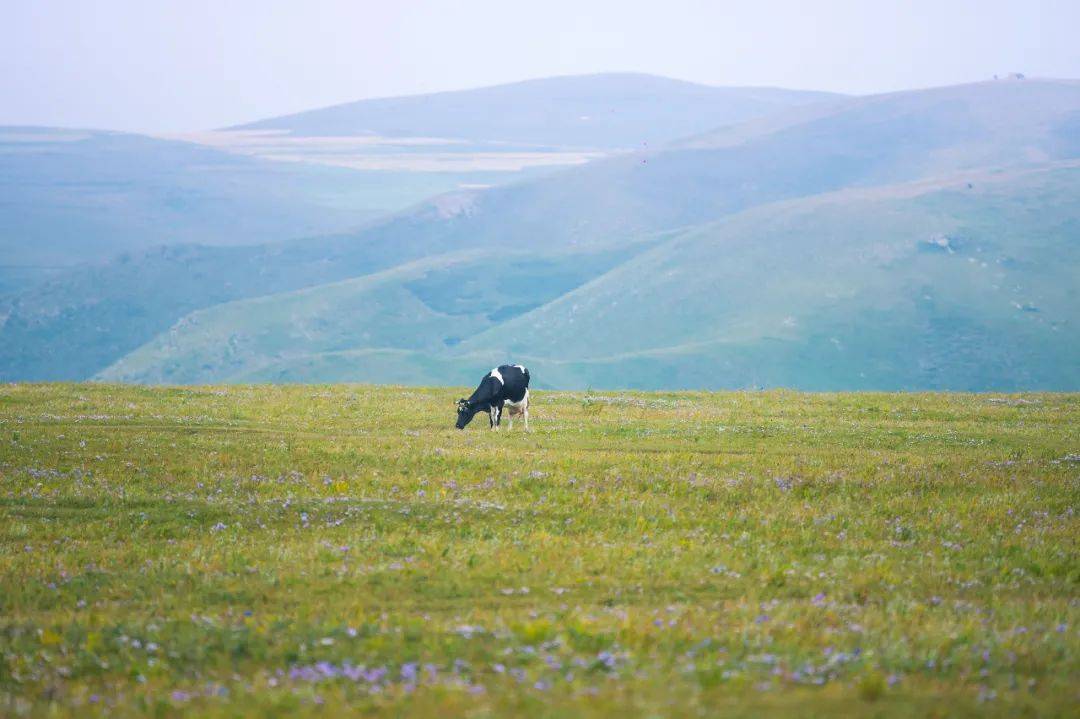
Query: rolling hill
[958, 284]
[75, 196]
[80, 326]
[429, 305]
[946, 284]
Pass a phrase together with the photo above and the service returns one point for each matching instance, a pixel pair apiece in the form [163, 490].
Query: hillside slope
[850, 143]
[72, 196]
[953, 284]
[428, 306]
[965, 284]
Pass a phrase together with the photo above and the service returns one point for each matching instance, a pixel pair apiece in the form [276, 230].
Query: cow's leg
[491, 417]
[496, 416]
[525, 413]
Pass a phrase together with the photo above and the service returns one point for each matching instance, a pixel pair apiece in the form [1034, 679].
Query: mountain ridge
[902, 138]
[544, 110]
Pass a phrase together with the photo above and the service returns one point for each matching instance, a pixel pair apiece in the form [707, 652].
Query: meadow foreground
[307, 549]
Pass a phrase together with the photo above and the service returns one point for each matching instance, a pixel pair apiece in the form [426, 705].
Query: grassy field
[268, 550]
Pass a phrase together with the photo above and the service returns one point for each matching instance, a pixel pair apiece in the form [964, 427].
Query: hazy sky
[164, 65]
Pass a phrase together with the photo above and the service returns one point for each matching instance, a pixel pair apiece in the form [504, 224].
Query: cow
[505, 386]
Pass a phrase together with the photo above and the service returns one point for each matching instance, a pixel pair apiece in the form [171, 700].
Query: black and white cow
[506, 385]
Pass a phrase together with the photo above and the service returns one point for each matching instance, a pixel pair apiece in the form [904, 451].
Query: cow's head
[465, 413]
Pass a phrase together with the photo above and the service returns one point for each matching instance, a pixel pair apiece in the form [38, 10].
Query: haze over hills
[532, 124]
[73, 196]
[790, 250]
[611, 111]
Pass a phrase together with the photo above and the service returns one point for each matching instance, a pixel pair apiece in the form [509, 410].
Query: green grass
[200, 551]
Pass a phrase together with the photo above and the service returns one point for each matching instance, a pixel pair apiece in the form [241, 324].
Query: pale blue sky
[165, 65]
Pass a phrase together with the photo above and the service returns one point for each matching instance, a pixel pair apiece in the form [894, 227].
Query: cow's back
[515, 381]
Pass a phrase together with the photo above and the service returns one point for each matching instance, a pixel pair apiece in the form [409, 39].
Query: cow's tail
[526, 371]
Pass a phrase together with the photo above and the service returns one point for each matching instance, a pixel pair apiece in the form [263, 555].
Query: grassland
[228, 550]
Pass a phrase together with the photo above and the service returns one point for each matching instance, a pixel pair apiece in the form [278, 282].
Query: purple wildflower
[374, 676]
[409, 672]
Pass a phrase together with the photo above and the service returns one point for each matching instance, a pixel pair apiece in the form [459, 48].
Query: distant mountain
[636, 204]
[852, 143]
[858, 142]
[72, 196]
[612, 111]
